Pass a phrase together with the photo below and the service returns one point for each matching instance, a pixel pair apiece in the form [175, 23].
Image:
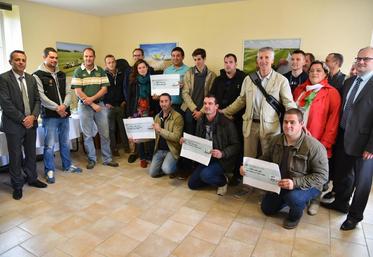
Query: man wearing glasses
[354, 146]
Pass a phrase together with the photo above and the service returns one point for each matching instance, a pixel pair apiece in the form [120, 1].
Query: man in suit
[354, 146]
[19, 100]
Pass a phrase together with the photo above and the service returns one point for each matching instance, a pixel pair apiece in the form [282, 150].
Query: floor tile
[209, 232]
[174, 231]
[117, 245]
[12, 238]
[233, 248]
[155, 246]
[139, 229]
[194, 247]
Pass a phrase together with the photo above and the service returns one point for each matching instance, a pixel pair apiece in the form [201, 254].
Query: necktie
[350, 102]
[26, 102]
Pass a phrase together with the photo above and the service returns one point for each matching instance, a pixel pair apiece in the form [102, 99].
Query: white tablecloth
[74, 133]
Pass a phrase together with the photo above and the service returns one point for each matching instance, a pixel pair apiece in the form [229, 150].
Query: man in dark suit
[20, 103]
[354, 146]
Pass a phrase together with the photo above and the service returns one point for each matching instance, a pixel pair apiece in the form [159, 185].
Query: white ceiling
[115, 7]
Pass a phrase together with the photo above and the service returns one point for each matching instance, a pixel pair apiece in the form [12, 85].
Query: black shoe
[17, 194]
[132, 158]
[348, 224]
[235, 181]
[290, 224]
[328, 197]
[38, 184]
[336, 206]
[91, 165]
[111, 164]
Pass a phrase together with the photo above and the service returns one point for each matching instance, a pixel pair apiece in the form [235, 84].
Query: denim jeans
[162, 161]
[89, 119]
[115, 119]
[296, 199]
[56, 130]
[212, 175]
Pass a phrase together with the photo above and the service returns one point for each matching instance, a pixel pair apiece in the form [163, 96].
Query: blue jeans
[162, 161]
[89, 120]
[211, 175]
[56, 128]
[296, 199]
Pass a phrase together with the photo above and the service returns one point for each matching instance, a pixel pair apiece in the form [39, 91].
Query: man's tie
[26, 102]
[350, 102]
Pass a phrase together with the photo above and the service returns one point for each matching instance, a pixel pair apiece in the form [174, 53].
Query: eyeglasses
[365, 59]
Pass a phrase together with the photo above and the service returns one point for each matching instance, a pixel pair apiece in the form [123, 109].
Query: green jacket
[172, 132]
[308, 161]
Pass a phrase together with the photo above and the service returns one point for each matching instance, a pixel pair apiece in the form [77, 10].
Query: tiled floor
[123, 212]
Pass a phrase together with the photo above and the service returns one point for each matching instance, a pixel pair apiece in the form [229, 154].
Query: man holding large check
[223, 149]
[303, 165]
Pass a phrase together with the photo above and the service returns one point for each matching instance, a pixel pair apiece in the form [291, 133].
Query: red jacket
[323, 117]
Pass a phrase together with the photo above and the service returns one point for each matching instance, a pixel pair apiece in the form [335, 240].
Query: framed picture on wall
[70, 56]
[283, 49]
[158, 55]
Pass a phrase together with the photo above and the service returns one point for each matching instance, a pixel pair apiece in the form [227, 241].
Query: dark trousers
[189, 123]
[296, 199]
[211, 175]
[27, 139]
[115, 118]
[351, 173]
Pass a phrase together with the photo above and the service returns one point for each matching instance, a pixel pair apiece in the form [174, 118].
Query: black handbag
[271, 100]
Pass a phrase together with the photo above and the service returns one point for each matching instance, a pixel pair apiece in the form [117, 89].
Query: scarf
[144, 86]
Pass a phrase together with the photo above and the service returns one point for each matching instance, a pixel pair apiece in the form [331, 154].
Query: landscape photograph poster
[70, 56]
[283, 49]
[158, 55]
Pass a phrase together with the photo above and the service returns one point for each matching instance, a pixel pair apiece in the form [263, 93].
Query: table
[73, 134]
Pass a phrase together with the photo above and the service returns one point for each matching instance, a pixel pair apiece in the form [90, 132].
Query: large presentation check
[167, 83]
[139, 128]
[196, 148]
[261, 174]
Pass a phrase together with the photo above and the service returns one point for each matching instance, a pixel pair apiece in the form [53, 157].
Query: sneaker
[328, 197]
[223, 189]
[290, 224]
[111, 164]
[50, 177]
[143, 164]
[91, 165]
[313, 208]
[73, 169]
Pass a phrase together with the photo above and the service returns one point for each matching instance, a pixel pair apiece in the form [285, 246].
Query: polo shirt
[89, 81]
[176, 99]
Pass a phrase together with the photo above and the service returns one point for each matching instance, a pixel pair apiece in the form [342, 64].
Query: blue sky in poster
[159, 51]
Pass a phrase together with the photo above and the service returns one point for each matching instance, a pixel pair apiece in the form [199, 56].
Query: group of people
[313, 121]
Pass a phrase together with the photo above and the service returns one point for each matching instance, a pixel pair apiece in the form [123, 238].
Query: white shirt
[259, 95]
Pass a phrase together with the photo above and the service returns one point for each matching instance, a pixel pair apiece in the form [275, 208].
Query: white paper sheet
[167, 83]
[261, 174]
[196, 148]
[139, 128]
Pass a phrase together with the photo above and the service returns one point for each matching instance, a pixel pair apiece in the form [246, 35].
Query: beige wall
[42, 26]
[323, 26]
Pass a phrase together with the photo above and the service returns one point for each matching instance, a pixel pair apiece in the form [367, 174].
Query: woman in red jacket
[321, 104]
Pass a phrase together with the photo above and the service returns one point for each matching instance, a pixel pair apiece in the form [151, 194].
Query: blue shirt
[176, 99]
[365, 78]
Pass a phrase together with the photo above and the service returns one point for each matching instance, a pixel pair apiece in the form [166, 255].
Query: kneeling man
[222, 132]
[304, 170]
[168, 126]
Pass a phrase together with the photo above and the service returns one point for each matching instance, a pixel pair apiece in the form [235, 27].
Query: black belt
[256, 120]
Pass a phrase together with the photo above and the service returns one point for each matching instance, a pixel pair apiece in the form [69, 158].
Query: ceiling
[115, 7]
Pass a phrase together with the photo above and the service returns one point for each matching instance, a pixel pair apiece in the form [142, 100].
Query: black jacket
[225, 139]
[115, 92]
[226, 90]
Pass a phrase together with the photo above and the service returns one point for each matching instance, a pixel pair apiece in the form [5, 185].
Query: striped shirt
[89, 81]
